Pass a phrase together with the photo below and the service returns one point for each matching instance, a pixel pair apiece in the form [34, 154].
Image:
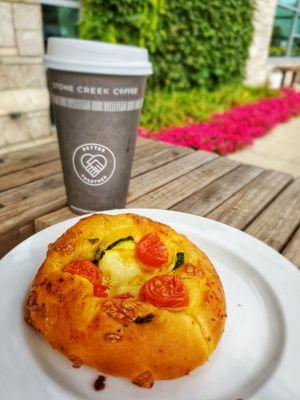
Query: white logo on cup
[94, 163]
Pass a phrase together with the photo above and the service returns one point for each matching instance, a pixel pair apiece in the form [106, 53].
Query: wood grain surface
[263, 203]
[276, 224]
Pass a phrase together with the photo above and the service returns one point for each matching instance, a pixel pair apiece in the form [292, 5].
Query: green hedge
[200, 43]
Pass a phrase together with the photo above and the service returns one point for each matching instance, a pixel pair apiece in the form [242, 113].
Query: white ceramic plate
[257, 358]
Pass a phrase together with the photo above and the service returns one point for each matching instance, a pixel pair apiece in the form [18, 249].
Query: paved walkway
[279, 150]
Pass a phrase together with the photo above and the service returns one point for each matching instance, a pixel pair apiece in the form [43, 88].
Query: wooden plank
[29, 175]
[14, 236]
[31, 189]
[150, 148]
[53, 218]
[206, 199]
[19, 160]
[146, 145]
[36, 156]
[148, 161]
[243, 207]
[21, 212]
[140, 149]
[64, 213]
[141, 142]
[277, 223]
[292, 249]
[175, 191]
[160, 176]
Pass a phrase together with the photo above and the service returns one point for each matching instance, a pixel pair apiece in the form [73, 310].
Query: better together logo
[94, 163]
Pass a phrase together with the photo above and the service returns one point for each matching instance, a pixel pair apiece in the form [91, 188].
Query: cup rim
[87, 56]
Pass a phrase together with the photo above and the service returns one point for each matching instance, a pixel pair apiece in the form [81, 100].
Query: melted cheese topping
[123, 272]
[121, 269]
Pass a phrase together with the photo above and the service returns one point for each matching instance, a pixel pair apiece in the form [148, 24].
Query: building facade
[25, 26]
[24, 98]
[256, 70]
[276, 39]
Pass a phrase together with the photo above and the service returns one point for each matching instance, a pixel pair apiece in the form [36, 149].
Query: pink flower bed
[234, 129]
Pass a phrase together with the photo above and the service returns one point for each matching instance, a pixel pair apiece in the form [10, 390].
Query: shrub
[191, 43]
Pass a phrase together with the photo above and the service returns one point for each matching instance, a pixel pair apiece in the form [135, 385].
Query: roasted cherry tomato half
[88, 270]
[152, 251]
[165, 291]
[84, 268]
[100, 290]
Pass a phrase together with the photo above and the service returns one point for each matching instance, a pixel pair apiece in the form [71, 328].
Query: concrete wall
[257, 67]
[24, 99]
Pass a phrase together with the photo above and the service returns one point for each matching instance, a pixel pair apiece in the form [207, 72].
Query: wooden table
[263, 203]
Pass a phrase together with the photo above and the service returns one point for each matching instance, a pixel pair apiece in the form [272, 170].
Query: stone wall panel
[257, 68]
[27, 16]
[7, 33]
[21, 76]
[30, 42]
[23, 101]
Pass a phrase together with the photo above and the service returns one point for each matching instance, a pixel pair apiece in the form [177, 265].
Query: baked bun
[156, 309]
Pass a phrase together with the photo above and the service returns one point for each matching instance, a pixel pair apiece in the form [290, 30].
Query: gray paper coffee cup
[97, 115]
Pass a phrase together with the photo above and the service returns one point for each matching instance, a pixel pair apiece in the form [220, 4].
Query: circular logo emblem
[94, 163]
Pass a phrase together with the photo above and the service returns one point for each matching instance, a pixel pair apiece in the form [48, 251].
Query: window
[286, 30]
[60, 18]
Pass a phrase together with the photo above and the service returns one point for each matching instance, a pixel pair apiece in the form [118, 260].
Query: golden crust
[101, 332]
